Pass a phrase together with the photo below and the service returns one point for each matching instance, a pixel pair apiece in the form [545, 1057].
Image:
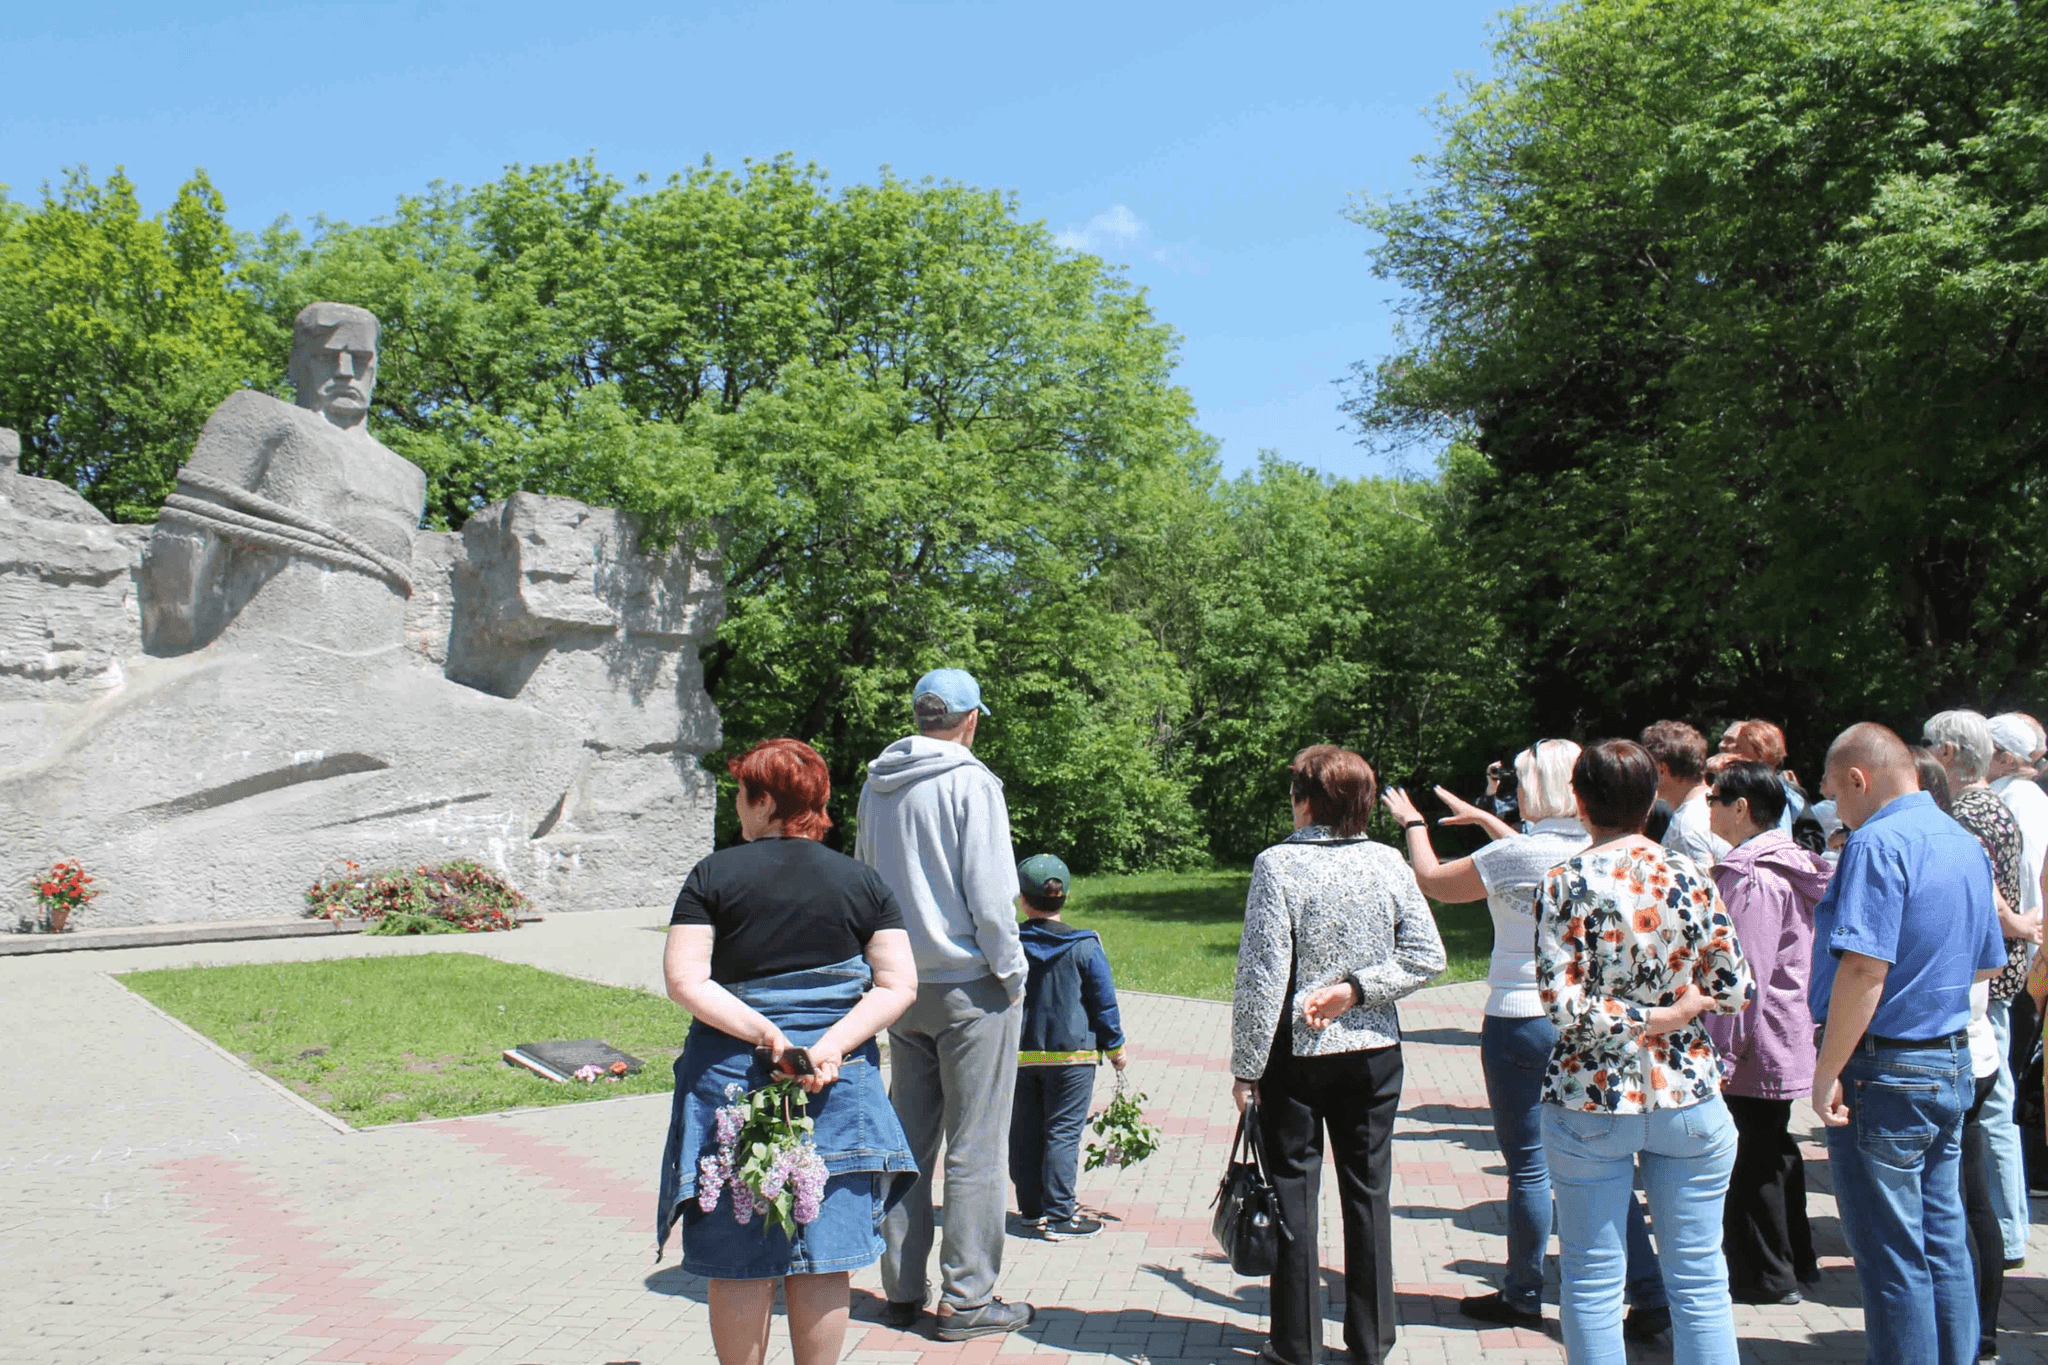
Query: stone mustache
[285, 672]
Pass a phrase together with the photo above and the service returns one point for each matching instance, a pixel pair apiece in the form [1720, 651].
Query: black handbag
[1247, 1221]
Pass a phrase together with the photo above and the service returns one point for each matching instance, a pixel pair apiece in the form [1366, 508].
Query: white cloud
[1115, 228]
[1122, 236]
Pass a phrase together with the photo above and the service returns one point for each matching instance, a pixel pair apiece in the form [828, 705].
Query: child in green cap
[1070, 1023]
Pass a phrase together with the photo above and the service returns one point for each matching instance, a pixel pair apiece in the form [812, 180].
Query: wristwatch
[1414, 824]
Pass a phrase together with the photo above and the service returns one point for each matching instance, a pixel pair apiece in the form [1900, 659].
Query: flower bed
[454, 898]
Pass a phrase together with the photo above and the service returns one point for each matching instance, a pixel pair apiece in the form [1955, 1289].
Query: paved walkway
[159, 1202]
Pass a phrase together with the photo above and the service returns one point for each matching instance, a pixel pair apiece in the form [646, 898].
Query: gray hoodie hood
[917, 757]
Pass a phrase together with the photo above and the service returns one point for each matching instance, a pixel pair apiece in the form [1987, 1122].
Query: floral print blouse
[1620, 930]
[1981, 811]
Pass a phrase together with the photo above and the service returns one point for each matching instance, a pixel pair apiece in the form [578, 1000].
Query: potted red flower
[61, 892]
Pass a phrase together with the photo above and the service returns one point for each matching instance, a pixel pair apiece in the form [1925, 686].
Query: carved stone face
[336, 382]
[334, 361]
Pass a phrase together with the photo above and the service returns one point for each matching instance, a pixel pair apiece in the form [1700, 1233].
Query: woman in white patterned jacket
[1335, 931]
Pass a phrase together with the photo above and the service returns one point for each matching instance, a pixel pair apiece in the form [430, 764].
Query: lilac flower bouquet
[765, 1158]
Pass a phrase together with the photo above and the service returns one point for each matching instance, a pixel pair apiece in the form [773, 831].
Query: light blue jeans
[1514, 1054]
[1687, 1155]
[2008, 1172]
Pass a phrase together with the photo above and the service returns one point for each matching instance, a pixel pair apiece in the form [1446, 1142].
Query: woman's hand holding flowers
[825, 1063]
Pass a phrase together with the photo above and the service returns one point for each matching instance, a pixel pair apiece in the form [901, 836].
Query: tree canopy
[1742, 307]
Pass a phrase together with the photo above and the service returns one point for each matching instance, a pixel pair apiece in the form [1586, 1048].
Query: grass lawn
[393, 1039]
[1177, 932]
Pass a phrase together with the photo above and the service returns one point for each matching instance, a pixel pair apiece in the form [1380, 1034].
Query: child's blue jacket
[1070, 1014]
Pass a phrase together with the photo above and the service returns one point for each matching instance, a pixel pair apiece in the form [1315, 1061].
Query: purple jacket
[1771, 885]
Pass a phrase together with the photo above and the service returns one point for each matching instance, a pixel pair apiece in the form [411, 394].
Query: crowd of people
[1685, 947]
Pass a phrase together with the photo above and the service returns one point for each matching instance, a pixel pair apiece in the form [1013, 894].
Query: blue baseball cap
[955, 687]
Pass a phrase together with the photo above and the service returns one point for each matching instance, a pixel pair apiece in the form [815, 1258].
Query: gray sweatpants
[953, 1075]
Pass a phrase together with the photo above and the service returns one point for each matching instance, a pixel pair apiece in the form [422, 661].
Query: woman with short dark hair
[1516, 1036]
[790, 958]
[1770, 886]
[1335, 931]
[1632, 945]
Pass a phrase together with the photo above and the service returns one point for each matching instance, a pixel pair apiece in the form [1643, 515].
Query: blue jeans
[1687, 1155]
[1045, 1138]
[1513, 1053]
[1898, 1184]
[2002, 1142]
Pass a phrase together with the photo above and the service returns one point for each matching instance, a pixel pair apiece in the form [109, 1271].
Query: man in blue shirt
[1908, 924]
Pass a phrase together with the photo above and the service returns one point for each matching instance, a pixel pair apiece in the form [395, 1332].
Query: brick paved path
[159, 1202]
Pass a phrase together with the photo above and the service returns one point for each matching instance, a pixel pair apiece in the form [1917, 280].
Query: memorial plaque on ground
[558, 1061]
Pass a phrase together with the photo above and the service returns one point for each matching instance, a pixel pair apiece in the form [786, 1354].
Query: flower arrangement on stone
[592, 1072]
[765, 1160]
[1126, 1138]
[62, 892]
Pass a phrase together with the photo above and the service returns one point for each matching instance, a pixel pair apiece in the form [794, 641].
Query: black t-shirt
[784, 905]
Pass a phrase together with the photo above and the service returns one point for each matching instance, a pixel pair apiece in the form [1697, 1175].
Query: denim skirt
[846, 1235]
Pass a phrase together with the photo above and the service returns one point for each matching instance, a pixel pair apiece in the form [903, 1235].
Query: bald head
[1868, 768]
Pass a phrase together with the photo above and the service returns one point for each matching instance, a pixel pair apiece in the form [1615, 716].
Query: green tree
[1743, 306]
[119, 334]
[925, 428]
[1305, 609]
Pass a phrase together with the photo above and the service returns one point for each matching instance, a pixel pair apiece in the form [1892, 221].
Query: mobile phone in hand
[796, 1059]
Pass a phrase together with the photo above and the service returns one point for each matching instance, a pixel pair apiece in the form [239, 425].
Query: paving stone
[190, 1213]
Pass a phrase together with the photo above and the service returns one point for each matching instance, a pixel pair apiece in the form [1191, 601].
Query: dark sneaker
[1071, 1229]
[991, 1319]
[1021, 1226]
[902, 1316]
[1495, 1308]
[1644, 1324]
[1811, 1279]
[1760, 1299]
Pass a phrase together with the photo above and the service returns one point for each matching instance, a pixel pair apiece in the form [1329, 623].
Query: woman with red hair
[790, 958]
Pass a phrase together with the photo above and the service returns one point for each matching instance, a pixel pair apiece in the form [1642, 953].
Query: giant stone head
[334, 361]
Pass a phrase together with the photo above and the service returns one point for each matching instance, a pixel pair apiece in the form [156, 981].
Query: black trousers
[1987, 1240]
[1354, 1094]
[1764, 1231]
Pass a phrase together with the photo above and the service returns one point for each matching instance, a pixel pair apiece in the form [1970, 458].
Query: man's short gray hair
[934, 718]
[1969, 734]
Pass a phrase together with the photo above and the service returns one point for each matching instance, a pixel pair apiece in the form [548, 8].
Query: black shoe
[1495, 1307]
[1811, 1279]
[2013, 1263]
[902, 1316]
[1070, 1229]
[1645, 1324]
[991, 1319]
[1758, 1298]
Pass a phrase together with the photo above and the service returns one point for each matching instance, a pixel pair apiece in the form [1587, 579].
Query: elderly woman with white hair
[2002, 784]
[1516, 1038]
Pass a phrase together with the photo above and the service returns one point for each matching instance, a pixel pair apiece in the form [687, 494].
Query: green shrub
[454, 898]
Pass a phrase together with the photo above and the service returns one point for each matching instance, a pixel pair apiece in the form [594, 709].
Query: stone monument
[284, 672]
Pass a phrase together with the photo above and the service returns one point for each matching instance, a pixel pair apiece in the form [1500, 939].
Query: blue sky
[1210, 148]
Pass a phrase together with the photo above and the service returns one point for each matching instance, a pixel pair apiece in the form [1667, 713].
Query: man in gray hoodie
[932, 822]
